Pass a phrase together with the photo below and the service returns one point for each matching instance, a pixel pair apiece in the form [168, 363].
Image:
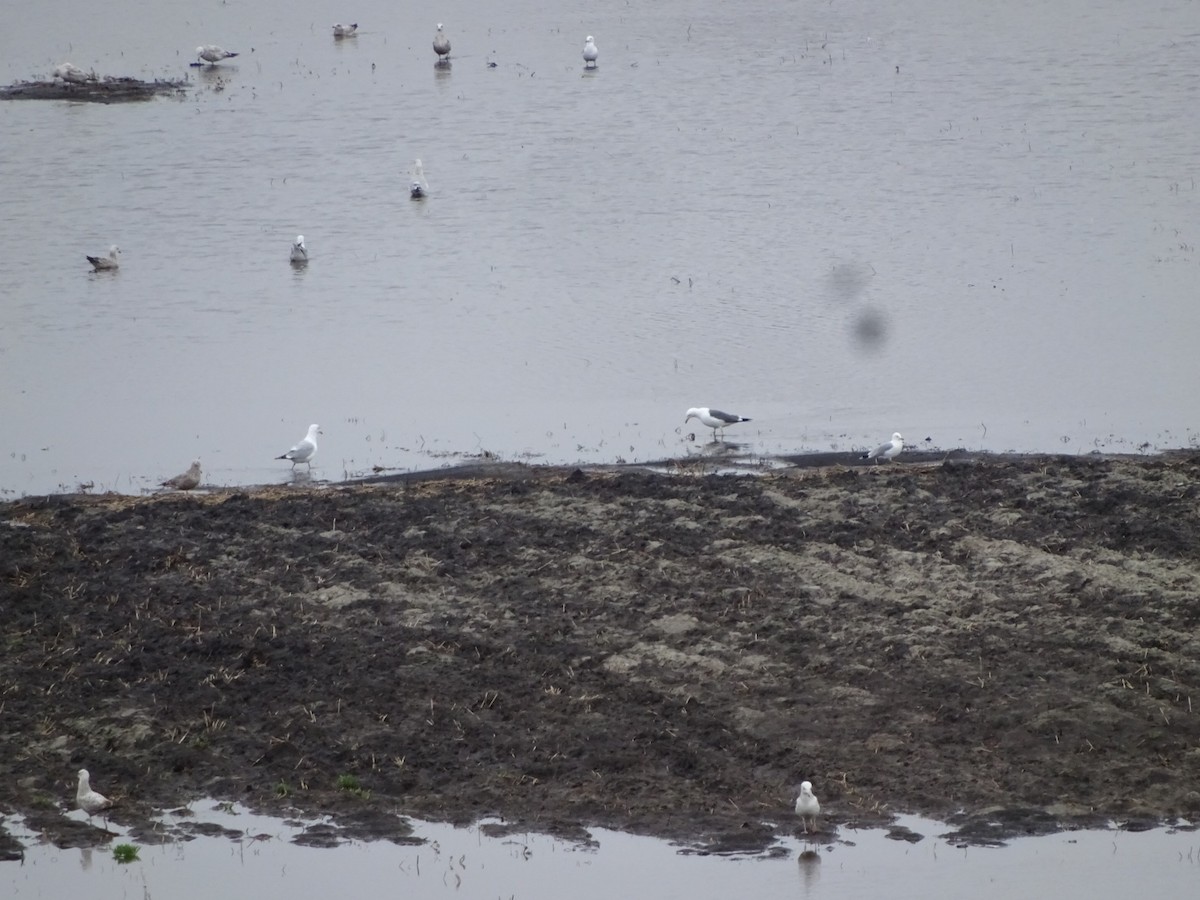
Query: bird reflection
[810, 870]
[85, 858]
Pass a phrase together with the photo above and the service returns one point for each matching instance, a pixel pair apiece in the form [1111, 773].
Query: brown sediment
[1014, 642]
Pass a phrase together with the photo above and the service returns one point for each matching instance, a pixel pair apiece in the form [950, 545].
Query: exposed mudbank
[109, 89]
[1010, 644]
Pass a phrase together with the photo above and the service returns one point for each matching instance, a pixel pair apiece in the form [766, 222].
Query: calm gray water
[972, 222]
[465, 864]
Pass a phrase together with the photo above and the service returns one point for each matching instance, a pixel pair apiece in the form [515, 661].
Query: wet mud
[1009, 644]
[109, 89]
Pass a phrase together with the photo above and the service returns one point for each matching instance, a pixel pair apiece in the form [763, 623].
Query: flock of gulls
[211, 54]
[304, 451]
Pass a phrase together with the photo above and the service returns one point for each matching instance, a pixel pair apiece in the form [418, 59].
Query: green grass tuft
[125, 853]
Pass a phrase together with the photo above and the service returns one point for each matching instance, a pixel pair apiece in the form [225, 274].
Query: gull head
[692, 413]
[896, 437]
[299, 240]
[589, 39]
[199, 50]
[439, 26]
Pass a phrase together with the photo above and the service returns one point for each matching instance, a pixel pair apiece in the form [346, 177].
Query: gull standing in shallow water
[441, 44]
[186, 481]
[106, 263]
[590, 53]
[212, 54]
[299, 251]
[341, 31]
[418, 187]
[90, 801]
[807, 806]
[713, 418]
[305, 450]
[886, 451]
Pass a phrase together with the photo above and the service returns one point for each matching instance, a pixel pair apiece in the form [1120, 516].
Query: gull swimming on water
[299, 251]
[212, 54]
[106, 263]
[886, 451]
[186, 481]
[441, 44]
[714, 418]
[340, 30]
[305, 450]
[72, 74]
[418, 187]
[807, 806]
[91, 802]
[590, 53]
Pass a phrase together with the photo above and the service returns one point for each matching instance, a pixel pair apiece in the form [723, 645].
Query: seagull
[886, 451]
[441, 44]
[340, 30]
[72, 74]
[714, 418]
[807, 806]
[91, 802]
[106, 263]
[186, 481]
[306, 449]
[418, 187]
[299, 252]
[590, 53]
[212, 54]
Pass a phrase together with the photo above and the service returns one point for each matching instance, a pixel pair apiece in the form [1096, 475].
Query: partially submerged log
[101, 90]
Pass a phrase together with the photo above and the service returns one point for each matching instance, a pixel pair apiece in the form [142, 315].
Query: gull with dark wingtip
[212, 54]
[305, 449]
[714, 418]
[886, 451]
[106, 263]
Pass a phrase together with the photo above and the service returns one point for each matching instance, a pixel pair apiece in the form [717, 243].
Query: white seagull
[714, 418]
[418, 187]
[186, 481]
[807, 806]
[106, 263]
[340, 30]
[72, 74]
[441, 44]
[91, 802]
[590, 53]
[212, 54]
[305, 450]
[299, 251]
[886, 451]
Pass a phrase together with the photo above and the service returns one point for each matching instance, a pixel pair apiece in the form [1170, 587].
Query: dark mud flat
[1009, 643]
[102, 90]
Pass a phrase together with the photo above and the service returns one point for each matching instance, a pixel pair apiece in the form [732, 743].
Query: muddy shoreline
[1009, 644]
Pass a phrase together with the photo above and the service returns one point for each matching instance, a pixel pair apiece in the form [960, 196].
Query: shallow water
[465, 863]
[973, 224]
